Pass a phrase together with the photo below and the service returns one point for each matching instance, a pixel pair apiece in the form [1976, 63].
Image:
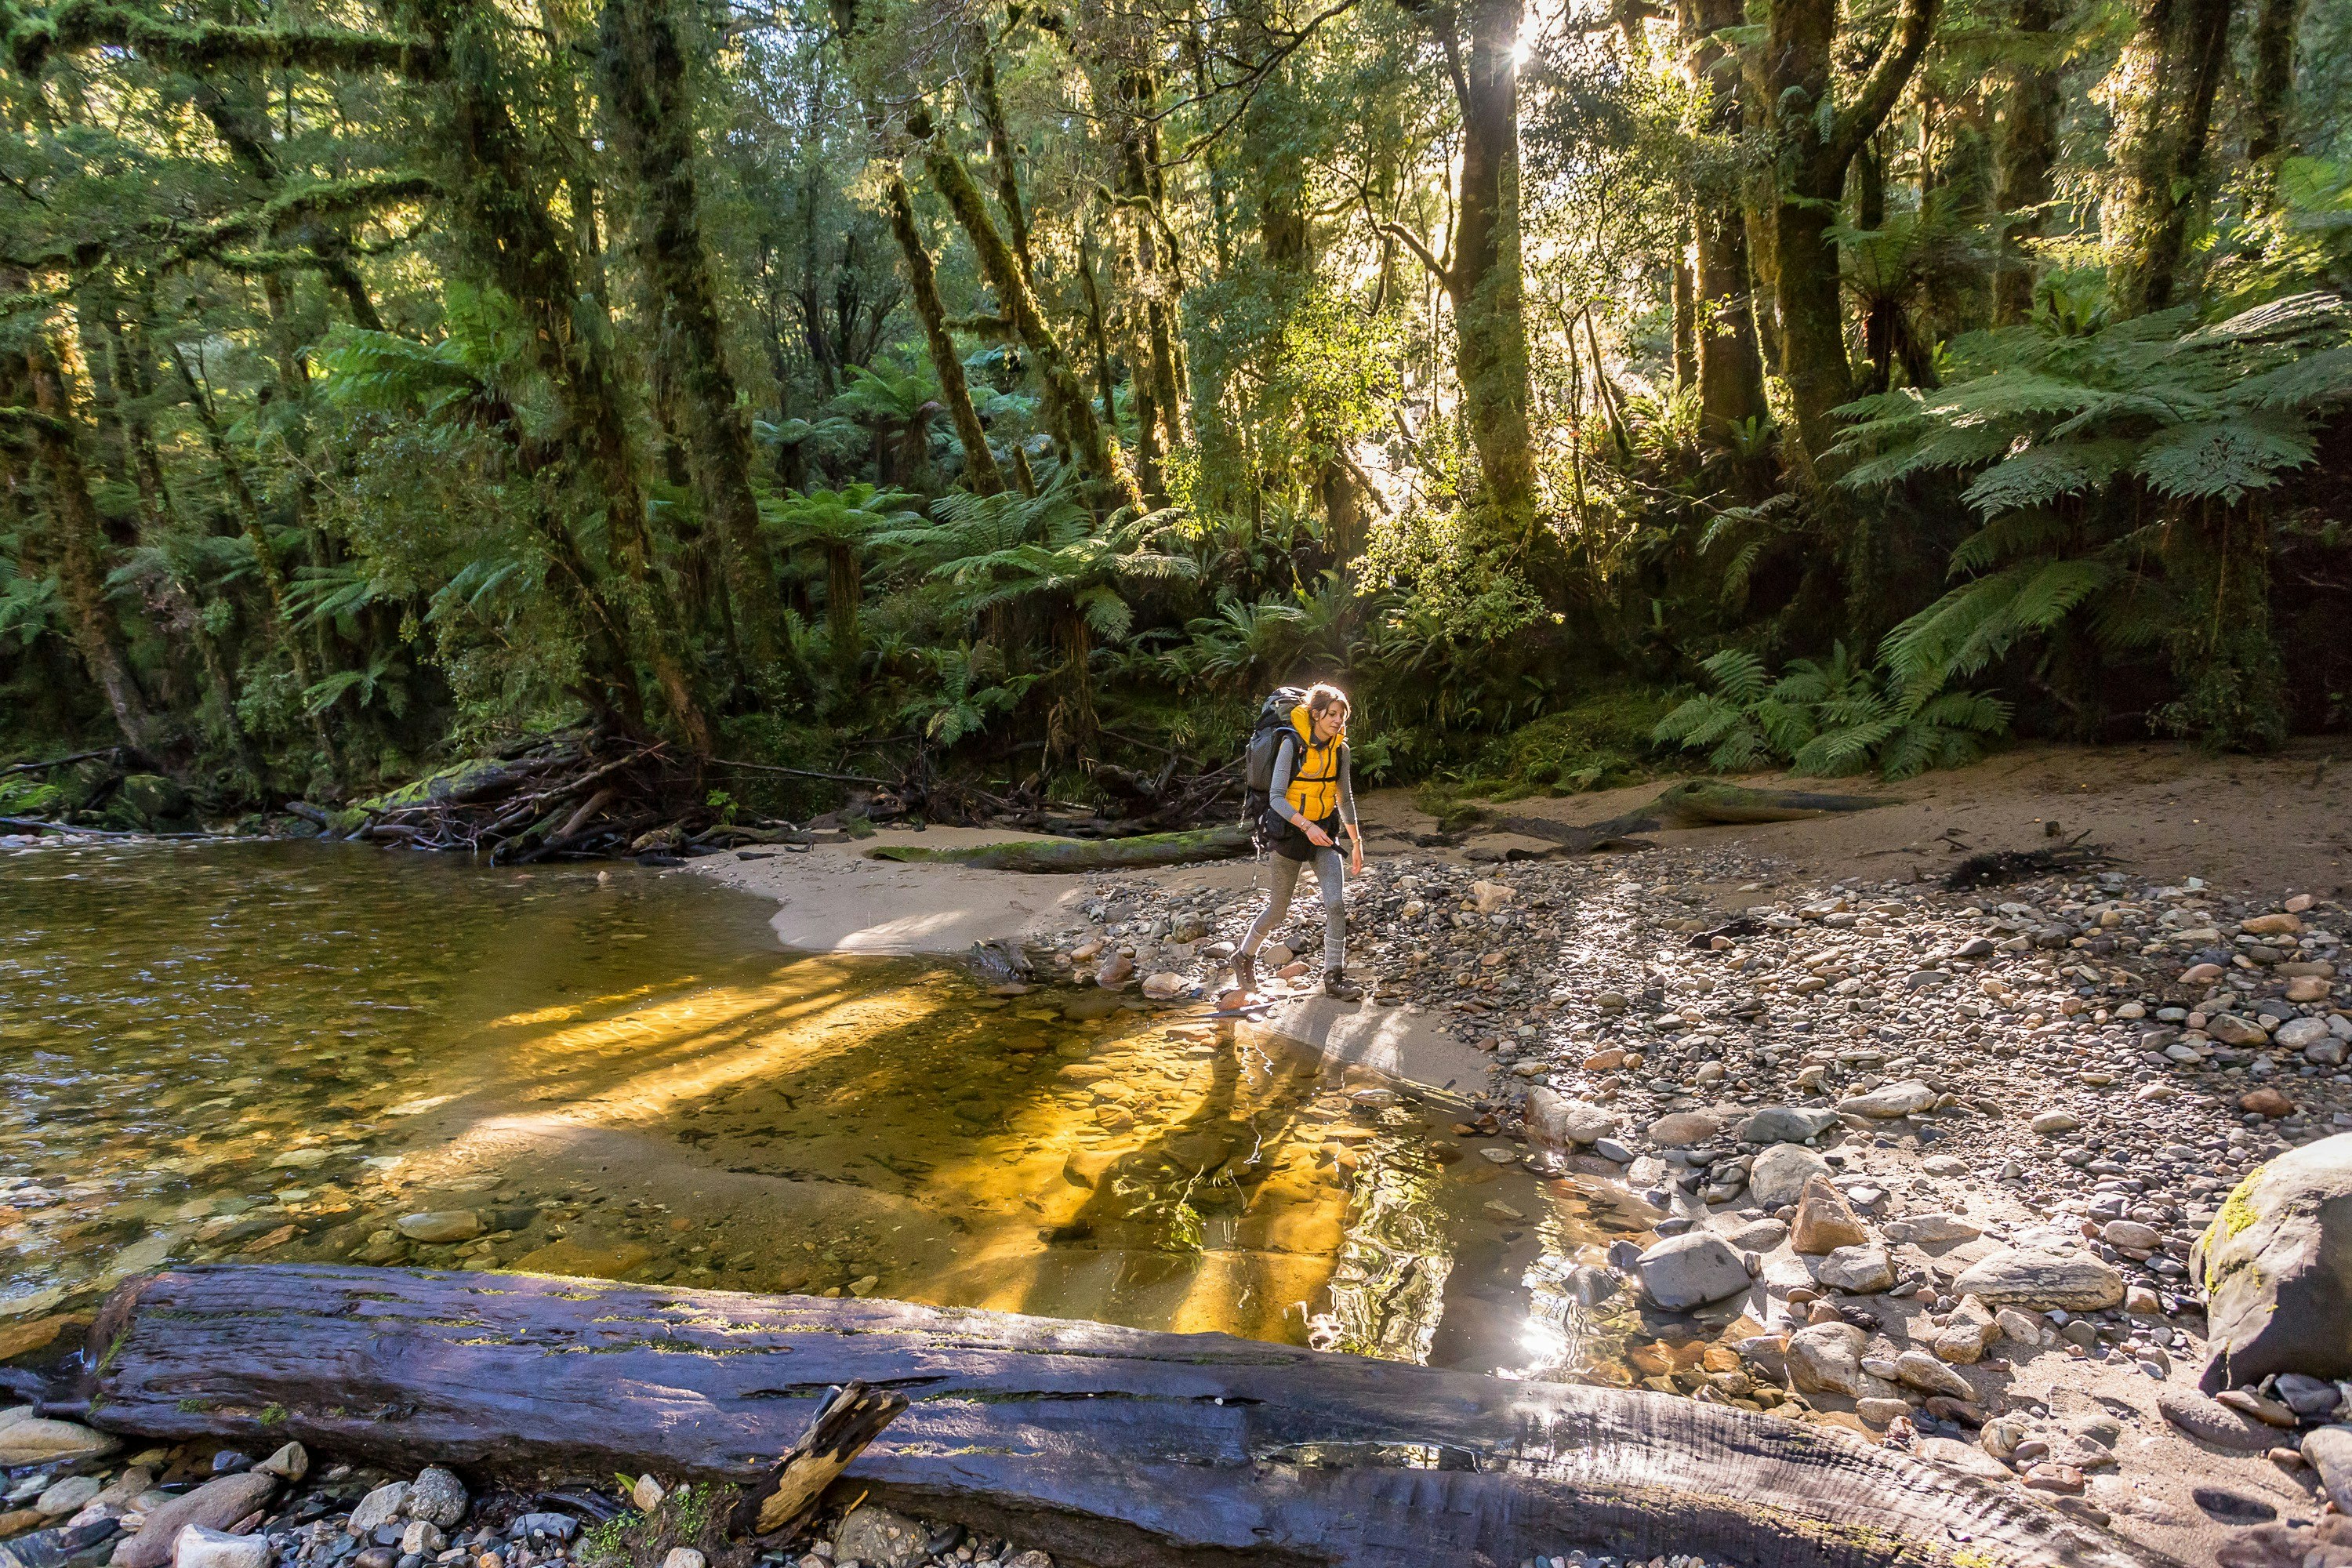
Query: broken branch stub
[853, 1417]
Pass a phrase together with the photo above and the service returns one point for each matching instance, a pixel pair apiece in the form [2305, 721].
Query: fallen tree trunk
[1102, 1445]
[1085, 854]
[1695, 804]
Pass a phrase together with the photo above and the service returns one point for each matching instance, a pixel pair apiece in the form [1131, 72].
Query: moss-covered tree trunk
[510, 234]
[1097, 452]
[644, 76]
[1817, 143]
[1483, 280]
[74, 537]
[2026, 153]
[2271, 98]
[1730, 368]
[981, 475]
[844, 588]
[2161, 94]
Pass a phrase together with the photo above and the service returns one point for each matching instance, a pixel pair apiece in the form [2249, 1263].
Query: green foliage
[1831, 718]
[2105, 461]
[972, 685]
[855, 515]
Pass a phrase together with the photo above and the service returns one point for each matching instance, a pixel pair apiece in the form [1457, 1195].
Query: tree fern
[2107, 458]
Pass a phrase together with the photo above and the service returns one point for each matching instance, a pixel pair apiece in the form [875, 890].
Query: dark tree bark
[2162, 93]
[644, 76]
[1684, 288]
[1817, 143]
[2028, 151]
[1730, 370]
[1482, 281]
[2271, 96]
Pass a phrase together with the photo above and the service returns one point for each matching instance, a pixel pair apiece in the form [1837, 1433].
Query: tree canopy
[1019, 384]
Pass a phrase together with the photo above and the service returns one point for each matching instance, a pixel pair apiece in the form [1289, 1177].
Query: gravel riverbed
[1927, 1164]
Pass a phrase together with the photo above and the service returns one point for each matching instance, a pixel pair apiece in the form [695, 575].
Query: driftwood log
[1084, 854]
[1105, 1446]
[1695, 804]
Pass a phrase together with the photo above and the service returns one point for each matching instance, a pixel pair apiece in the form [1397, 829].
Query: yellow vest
[1314, 791]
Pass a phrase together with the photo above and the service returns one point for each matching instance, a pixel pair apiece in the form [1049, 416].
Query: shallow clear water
[281, 1051]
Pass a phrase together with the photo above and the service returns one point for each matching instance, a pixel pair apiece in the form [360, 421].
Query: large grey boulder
[1554, 1119]
[2042, 1282]
[437, 1498]
[1781, 1173]
[153, 798]
[2276, 1265]
[1691, 1270]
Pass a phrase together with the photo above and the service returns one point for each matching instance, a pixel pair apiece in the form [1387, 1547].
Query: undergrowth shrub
[1829, 719]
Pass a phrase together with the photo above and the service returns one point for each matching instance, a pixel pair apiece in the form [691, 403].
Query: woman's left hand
[1355, 856]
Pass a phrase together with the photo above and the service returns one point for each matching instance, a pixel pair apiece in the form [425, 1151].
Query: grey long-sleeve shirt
[1283, 759]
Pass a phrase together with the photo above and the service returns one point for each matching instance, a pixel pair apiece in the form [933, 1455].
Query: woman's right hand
[1317, 838]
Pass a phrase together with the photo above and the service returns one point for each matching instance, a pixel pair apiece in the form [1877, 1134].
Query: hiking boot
[1245, 971]
[1337, 983]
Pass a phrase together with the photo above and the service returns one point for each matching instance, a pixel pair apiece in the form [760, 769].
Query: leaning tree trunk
[1097, 452]
[73, 539]
[1102, 1445]
[2028, 152]
[2161, 94]
[644, 76]
[982, 474]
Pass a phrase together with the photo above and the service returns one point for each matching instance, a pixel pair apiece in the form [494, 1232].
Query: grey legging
[1331, 871]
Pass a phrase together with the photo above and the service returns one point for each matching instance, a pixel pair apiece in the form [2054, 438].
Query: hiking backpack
[1264, 744]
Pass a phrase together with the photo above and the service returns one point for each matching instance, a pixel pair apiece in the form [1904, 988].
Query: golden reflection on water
[276, 1053]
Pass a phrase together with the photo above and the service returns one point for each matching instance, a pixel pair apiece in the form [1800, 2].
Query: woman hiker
[1313, 798]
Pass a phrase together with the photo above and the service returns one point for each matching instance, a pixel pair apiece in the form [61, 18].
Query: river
[289, 1051]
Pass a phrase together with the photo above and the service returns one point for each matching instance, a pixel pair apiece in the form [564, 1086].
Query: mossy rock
[25, 796]
[153, 799]
[83, 782]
